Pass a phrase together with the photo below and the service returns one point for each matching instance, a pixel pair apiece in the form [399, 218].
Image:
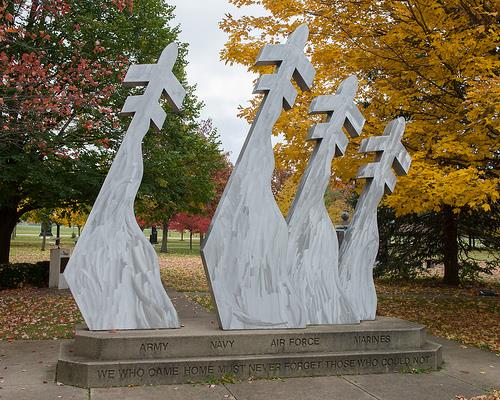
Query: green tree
[180, 165]
[62, 65]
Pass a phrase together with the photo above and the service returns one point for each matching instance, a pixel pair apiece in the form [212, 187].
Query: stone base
[200, 352]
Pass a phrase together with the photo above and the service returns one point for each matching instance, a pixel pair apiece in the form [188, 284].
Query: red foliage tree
[192, 223]
[57, 84]
[61, 67]
[220, 178]
[141, 222]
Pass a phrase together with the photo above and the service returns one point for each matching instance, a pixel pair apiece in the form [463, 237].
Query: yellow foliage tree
[61, 216]
[70, 216]
[434, 62]
[336, 198]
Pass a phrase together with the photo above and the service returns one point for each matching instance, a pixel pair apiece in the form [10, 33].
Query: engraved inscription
[153, 347]
[221, 344]
[127, 373]
[191, 370]
[235, 369]
[302, 365]
[405, 361]
[106, 373]
[367, 362]
[164, 371]
[359, 339]
[304, 341]
[295, 342]
[279, 368]
[258, 367]
[340, 364]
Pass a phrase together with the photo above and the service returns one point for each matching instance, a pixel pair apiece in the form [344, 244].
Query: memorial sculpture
[114, 273]
[245, 249]
[268, 273]
[265, 272]
[360, 245]
[312, 243]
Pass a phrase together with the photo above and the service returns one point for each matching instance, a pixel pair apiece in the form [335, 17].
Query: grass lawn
[26, 246]
[454, 313]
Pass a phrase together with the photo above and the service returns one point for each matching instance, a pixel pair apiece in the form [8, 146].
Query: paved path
[27, 371]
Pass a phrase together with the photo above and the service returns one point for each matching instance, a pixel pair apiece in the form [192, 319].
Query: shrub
[13, 276]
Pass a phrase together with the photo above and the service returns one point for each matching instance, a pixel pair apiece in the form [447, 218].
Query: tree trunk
[190, 240]
[182, 235]
[450, 247]
[201, 238]
[44, 240]
[164, 238]
[8, 216]
[43, 233]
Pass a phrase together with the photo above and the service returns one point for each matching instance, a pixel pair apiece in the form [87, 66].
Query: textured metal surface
[245, 250]
[313, 245]
[113, 272]
[360, 245]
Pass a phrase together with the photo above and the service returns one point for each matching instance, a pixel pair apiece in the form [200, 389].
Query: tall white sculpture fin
[312, 245]
[359, 249]
[113, 272]
[245, 249]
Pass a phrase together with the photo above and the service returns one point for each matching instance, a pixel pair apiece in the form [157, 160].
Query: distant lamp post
[153, 238]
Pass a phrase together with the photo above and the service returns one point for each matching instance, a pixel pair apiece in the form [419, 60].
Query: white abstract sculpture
[264, 272]
[245, 249]
[114, 273]
[360, 245]
[268, 273]
[313, 245]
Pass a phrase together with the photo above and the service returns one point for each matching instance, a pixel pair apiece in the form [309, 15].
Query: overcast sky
[221, 87]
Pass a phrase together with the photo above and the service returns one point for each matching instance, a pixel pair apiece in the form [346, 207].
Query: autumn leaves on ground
[454, 313]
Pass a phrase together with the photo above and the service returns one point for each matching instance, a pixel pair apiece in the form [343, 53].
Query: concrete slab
[478, 367]
[180, 392]
[48, 391]
[28, 351]
[83, 372]
[198, 338]
[467, 371]
[331, 388]
[200, 351]
[424, 386]
[27, 374]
